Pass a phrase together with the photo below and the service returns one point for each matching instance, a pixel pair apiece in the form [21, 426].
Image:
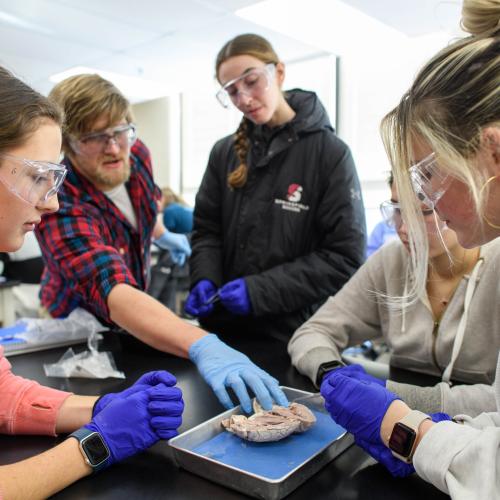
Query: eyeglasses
[429, 182]
[252, 83]
[32, 180]
[91, 144]
[391, 213]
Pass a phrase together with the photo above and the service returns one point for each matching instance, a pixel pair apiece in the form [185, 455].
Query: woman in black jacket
[279, 218]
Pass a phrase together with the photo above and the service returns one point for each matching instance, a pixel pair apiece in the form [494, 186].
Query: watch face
[402, 439]
[95, 449]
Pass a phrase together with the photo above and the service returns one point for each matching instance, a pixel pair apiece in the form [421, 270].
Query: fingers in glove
[164, 393]
[157, 377]
[238, 386]
[277, 394]
[166, 423]
[170, 408]
[255, 382]
[223, 397]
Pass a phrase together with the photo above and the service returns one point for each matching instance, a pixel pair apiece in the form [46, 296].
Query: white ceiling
[166, 41]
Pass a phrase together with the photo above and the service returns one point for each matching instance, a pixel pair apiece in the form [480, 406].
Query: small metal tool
[212, 299]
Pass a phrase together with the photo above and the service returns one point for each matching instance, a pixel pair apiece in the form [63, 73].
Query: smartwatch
[404, 435]
[94, 450]
[324, 368]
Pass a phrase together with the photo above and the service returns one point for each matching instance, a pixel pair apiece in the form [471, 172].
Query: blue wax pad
[276, 459]
[8, 334]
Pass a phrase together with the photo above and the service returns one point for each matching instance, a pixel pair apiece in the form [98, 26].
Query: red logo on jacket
[294, 193]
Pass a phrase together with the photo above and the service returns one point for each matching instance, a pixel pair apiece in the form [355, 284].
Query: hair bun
[481, 17]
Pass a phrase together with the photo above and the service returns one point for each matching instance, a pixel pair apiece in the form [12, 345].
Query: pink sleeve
[26, 407]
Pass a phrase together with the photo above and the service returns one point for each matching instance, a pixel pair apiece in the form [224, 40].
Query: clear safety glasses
[31, 180]
[429, 182]
[391, 213]
[252, 83]
[95, 143]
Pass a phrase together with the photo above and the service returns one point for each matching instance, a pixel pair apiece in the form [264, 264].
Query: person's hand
[382, 454]
[147, 380]
[196, 301]
[222, 366]
[357, 405]
[177, 244]
[358, 372]
[132, 424]
[234, 297]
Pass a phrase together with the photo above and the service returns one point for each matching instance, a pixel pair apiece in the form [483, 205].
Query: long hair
[258, 47]
[22, 109]
[454, 96]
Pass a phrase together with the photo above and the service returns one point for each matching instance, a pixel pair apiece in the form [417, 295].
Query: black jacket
[295, 231]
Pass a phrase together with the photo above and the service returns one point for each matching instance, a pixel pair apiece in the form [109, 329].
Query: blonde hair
[258, 47]
[85, 99]
[170, 196]
[22, 110]
[454, 97]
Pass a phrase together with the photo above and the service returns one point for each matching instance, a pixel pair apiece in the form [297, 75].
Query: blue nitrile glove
[357, 405]
[177, 244]
[147, 380]
[234, 297]
[126, 424]
[222, 366]
[382, 454]
[358, 372]
[200, 293]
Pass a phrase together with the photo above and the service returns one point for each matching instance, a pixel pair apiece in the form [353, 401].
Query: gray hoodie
[357, 313]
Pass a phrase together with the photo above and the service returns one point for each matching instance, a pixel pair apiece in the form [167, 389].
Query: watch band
[83, 434]
[324, 368]
[409, 424]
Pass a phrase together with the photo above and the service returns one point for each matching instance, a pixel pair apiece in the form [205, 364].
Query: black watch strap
[324, 368]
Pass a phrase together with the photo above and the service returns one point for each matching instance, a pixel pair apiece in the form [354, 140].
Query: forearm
[74, 412]
[150, 321]
[45, 474]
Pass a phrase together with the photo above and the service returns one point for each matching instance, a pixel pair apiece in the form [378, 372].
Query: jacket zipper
[434, 342]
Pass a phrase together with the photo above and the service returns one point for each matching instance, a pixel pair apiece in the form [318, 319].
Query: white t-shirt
[120, 197]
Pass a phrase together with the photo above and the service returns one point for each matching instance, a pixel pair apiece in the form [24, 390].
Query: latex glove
[234, 297]
[359, 373]
[201, 292]
[126, 423]
[382, 454]
[222, 366]
[147, 380]
[177, 244]
[357, 405]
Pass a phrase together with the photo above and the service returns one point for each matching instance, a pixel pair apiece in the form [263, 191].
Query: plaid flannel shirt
[89, 246]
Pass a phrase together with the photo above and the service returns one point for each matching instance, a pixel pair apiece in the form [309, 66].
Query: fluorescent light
[134, 88]
[17, 22]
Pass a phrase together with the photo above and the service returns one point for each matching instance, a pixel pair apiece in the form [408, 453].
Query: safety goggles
[96, 142]
[252, 83]
[429, 182]
[31, 180]
[391, 213]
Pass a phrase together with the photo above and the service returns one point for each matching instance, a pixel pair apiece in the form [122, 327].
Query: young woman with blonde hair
[443, 140]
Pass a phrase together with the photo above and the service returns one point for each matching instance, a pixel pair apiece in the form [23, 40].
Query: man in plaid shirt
[97, 247]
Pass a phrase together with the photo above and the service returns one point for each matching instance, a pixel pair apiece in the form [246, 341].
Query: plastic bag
[87, 364]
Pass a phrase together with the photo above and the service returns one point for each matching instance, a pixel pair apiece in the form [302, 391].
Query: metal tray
[262, 470]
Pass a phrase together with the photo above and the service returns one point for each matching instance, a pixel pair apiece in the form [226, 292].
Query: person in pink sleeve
[149, 410]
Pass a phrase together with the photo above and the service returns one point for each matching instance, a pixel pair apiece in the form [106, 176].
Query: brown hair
[84, 99]
[22, 111]
[258, 47]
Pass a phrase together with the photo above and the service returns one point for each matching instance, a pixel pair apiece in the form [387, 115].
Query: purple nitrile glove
[382, 454]
[147, 380]
[357, 405]
[166, 407]
[358, 372]
[196, 302]
[126, 424]
[234, 297]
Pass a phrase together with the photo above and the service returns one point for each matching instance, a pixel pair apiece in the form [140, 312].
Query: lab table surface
[153, 474]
